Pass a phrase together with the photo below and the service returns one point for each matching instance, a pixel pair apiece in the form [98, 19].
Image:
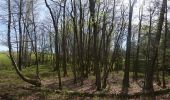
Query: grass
[5, 62]
[15, 88]
[12, 85]
[10, 76]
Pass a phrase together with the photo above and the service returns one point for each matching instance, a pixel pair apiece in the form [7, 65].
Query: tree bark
[57, 58]
[148, 87]
[164, 50]
[95, 37]
[31, 81]
[136, 64]
[125, 84]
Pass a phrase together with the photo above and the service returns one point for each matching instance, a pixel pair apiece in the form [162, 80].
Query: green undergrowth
[5, 62]
[10, 76]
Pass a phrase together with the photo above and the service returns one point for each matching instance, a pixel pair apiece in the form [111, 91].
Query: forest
[84, 49]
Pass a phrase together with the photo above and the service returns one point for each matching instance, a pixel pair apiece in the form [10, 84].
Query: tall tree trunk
[125, 84]
[75, 39]
[31, 81]
[136, 64]
[148, 87]
[57, 56]
[35, 44]
[64, 41]
[81, 42]
[164, 50]
[108, 40]
[20, 35]
[95, 36]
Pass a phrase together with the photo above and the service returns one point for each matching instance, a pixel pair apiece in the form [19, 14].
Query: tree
[55, 25]
[31, 81]
[148, 87]
[75, 39]
[164, 49]
[20, 35]
[95, 37]
[125, 84]
[64, 41]
[136, 63]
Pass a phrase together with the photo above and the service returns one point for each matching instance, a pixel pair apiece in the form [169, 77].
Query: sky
[3, 25]
[43, 10]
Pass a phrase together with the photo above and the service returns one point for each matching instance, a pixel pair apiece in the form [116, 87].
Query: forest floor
[13, 88]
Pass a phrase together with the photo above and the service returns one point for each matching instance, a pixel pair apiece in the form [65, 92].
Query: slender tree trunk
[75, 41]
[108, 40]
[81, 43]
[125, 84]
[20, 35]
[64, 41]
[57, 56]
[95, 58]
[35, 44]
[136, 64]
[164, 49]
[148, 87]
[31, 81]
